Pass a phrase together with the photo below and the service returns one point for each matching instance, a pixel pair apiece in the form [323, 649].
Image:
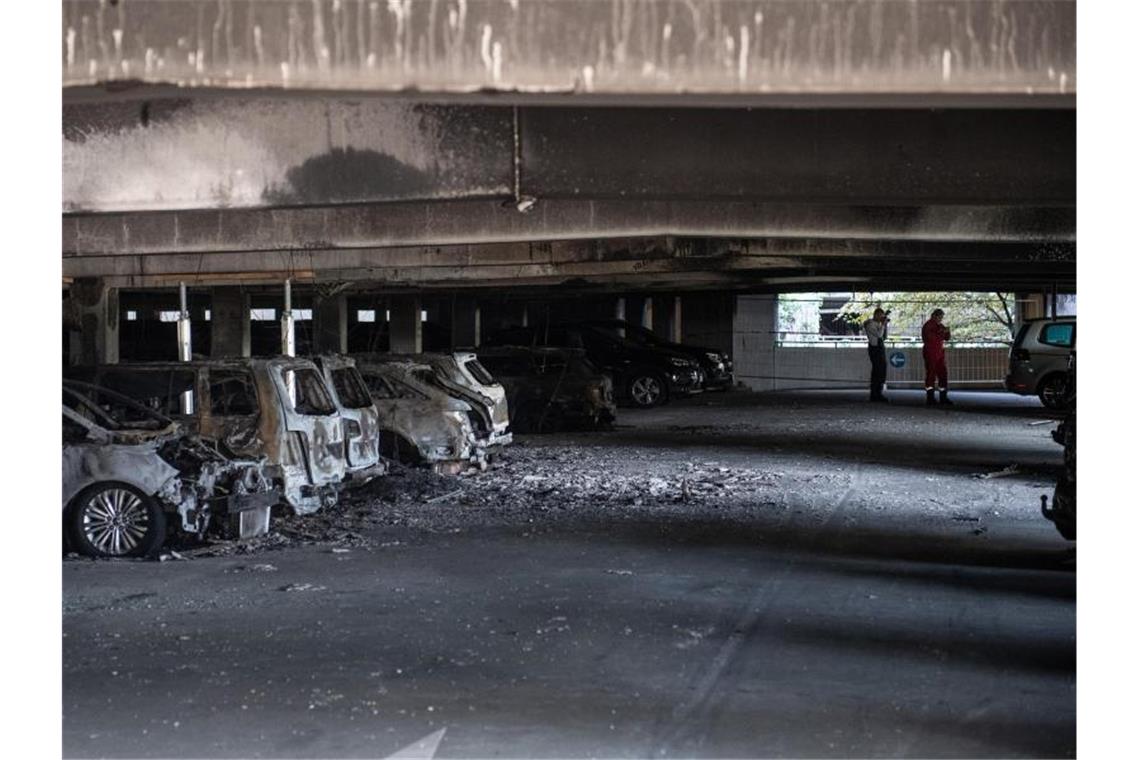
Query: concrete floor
[868, 595]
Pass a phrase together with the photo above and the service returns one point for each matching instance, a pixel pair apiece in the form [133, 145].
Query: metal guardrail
[829, 365]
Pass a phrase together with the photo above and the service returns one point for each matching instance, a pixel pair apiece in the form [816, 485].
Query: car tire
[647, 389]
[115, 519]
[1051, 391]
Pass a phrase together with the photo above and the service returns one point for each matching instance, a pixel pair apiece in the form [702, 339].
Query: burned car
[274, 408]
[132, 476]
[358, 415]
[551, 388]
[460, 375]
[419, 423]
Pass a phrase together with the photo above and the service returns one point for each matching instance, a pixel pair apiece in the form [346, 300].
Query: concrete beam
[739, 48]
[649, 262]
[256, 153]
[298, 234]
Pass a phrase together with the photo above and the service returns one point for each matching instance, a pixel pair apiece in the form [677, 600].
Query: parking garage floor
[790, 574]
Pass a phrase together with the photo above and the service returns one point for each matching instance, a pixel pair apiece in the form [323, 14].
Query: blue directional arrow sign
[897, 359]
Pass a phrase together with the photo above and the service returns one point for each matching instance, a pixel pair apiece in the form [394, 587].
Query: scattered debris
[1039, 422]
[168, 556]
[619, 572]
[261, 567]
[964, 518]
[302, 587]
[1005, 472]
[445, 496]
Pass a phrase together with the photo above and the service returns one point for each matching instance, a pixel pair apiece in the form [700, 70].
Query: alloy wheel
[115, 521]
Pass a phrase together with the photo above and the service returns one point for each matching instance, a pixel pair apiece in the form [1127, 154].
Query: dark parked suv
[716, 365]
[643, 375]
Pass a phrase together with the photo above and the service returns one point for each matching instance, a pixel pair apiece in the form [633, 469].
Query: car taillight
[1019, 355]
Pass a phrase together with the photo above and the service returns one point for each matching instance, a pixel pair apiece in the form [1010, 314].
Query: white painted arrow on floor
[424, 749]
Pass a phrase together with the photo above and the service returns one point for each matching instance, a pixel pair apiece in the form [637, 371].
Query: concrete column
[754, 355]
[74, 347]
[525, 316]
[405, 331]
[330, 324]
[647, 312]
[1031, 306]
[229, 322]
[465, 323]
[676, 332]
[708, 320]
[619, 308]
[94, 307]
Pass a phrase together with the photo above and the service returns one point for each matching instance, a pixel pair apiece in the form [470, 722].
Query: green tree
[982, 317]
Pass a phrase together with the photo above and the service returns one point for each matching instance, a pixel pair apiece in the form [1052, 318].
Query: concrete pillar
[330, 324]
[619, 308]
[754, 323]
[1031, 306]
[525, 316]
[288, 327]
[74, 347]
[229, 322]
[94, 307]
[465, 323]
[405, 331]
[708, 320]
[676, 332]
[647, 312]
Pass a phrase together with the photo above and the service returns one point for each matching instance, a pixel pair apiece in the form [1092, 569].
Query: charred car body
[644, 376]
[131, 476]
[460, 375]
[358, 416]
[419, 423]
[551, 388]
[277, 409]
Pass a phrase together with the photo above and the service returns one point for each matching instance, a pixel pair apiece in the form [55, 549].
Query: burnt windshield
[233, 393]
[350, 388]
[309, 394]
[110, 410]
[479, 372]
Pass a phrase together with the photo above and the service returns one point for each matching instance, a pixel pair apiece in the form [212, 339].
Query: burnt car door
[311, 420]
[230, 409]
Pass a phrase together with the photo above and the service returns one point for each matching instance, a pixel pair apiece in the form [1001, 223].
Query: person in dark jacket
[876, 331]
[934, 337]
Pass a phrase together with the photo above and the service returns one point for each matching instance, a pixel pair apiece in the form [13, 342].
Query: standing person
[876, 330]
[934, 336]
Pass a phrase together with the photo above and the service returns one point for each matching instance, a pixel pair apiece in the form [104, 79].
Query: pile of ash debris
[523, 486]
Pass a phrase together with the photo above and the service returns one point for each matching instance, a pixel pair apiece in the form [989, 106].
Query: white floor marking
[424, 749]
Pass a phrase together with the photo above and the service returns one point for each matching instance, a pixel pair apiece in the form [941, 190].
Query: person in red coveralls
[934, 336]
